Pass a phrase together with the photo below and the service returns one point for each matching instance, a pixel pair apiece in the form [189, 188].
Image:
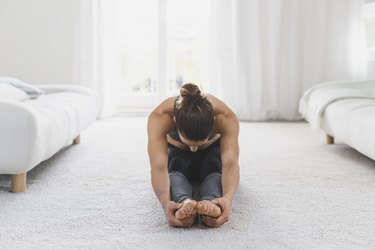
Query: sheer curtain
[94, 51]
[265, 53]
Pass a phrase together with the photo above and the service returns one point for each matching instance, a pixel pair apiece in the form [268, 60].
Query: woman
[194, 136]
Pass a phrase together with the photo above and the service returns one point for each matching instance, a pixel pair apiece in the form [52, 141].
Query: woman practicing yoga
[194, 136]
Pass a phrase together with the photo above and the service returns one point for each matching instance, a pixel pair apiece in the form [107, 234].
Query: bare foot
[188, 208]
[206, 207]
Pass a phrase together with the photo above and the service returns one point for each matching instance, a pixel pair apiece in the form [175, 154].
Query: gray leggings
[186, 166]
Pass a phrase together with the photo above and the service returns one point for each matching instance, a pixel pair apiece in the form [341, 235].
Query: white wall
[37, 39]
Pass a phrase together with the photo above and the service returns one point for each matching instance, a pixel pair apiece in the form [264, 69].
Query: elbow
[158, 168]
[230, 163]
[229, 159]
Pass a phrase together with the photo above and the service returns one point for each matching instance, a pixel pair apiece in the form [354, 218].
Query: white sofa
[344, 110]
[33, 130]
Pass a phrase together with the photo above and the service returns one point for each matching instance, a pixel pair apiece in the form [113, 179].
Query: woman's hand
[170, 209]
[225, 205]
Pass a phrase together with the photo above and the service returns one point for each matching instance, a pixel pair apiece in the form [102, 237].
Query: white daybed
[345, 110]
[32, 130]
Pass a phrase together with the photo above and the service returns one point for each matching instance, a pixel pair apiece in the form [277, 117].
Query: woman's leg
[210, 173]
[180, 174]
[211, 187]
[180, 187]
[210, 177]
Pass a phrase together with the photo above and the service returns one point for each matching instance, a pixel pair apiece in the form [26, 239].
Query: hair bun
[190, 92]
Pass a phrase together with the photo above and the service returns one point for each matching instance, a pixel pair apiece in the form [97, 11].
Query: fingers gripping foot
[188, 208]
[208, 208]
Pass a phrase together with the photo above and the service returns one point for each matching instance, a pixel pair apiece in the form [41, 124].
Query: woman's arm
[159, 123]
[228, 126]
[229, 156]
[158, 154]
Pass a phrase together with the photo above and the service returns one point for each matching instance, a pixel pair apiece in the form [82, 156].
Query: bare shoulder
[226, 120]
[220, 108]
[160, 120]
[165, 107]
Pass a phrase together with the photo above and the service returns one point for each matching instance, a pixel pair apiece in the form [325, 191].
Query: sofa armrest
[18, 137]
[50, 89]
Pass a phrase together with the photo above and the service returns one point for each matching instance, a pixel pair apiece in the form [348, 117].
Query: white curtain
[265, 53]
[94, 51]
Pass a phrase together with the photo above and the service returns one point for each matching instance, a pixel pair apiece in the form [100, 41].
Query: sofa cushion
[61, 117]
[8, 92]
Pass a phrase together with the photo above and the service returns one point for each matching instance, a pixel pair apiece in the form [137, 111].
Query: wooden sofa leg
[19, 183]
[77, 140]
[330, 139]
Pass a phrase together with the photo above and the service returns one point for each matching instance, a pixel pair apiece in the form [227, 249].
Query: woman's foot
[188, 208]
[208, 208]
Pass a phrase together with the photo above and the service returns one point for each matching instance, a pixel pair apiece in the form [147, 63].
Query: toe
[199, 205]
[206, 207]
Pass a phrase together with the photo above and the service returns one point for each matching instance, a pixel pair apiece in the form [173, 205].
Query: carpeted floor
[295, 193]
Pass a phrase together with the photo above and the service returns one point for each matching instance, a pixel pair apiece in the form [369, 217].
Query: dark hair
[194, 113]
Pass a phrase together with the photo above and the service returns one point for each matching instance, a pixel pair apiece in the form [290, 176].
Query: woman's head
[194, 114]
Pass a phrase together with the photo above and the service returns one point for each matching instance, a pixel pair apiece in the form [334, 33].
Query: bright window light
[160, 45]
[136, 37]
[188, 38]
[369, 20]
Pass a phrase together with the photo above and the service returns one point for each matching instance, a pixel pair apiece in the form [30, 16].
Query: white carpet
[296, 192]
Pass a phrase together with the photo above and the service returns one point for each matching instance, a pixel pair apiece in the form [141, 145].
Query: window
[369, 19]
[159, 46]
